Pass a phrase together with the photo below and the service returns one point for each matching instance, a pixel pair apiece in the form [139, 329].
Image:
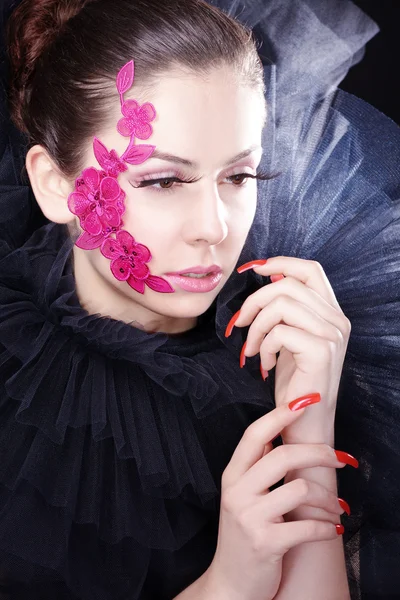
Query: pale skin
[206, 223]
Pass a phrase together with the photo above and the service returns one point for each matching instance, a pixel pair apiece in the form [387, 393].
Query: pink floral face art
[98, 200]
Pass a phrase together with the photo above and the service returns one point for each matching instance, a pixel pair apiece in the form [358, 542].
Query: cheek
[151, 221]
[242, 217]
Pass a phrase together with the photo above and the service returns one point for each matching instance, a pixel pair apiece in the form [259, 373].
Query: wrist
[310, 433]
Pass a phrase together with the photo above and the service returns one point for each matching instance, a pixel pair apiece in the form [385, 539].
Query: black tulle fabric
[113, 441]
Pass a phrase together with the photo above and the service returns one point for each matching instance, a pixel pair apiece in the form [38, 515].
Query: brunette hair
[65, 55]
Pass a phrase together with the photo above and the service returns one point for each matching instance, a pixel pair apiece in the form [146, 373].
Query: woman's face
[206, 124]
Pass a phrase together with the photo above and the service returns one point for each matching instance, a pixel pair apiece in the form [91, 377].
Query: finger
[276, 464]
[309, 272]
[291, 312]
[289, 535]
[297, 493]
[289, 286]
[252, 445]
[310, 352]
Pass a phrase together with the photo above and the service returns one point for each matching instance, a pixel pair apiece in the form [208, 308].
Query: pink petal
[147, 112]
[125, 239]
[91, 178]
[111, 217]
[138, 286]
[143, 252]
[158, 284]
[89, 242]
[129, 107]
[124, 128]
[111, 249]
[92, 223]
[140, 270]
[120, 269]
[78, 204]
[143, 131]
[83, 189]
[109, 189]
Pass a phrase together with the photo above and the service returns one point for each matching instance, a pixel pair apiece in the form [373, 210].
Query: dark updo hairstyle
[65, 56]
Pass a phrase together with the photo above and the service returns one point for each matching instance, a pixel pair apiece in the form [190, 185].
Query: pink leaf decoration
[136, 284]
[158, 284]
[89, 242]
[136, 155]
[125, 77]
[100, 151]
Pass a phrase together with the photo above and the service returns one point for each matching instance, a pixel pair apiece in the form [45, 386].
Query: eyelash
[179, 178]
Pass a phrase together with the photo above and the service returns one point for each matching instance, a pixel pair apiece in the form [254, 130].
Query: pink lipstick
[197, 279]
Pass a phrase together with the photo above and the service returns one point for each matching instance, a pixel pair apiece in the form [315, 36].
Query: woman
[137, 456]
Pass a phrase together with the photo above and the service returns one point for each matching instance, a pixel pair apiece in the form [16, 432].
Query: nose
[206, 222]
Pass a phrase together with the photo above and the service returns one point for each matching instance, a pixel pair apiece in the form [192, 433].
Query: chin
[185, 306]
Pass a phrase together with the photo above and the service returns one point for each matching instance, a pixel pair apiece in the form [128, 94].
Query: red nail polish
[339, 529]
[347, 458]
[304, 401]
[344, 505]
[231, 324]
[242, 360]
[275, 278]
[264, 372]
[251, 265]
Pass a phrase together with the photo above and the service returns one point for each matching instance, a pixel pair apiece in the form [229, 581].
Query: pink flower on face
[136, 120]
[128, 263]
[128, 259]
[97, 202]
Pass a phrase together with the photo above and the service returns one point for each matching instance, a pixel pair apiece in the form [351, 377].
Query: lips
[199, 270]
[208, 278]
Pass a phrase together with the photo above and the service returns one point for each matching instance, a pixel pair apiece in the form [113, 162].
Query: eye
[165, 183]
[239, 179]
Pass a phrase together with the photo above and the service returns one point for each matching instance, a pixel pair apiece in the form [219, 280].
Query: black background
[377, 78]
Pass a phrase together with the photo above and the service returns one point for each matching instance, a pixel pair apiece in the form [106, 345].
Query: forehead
[205, 119]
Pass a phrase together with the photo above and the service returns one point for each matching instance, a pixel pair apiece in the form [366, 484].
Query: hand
[253, 536]
[299, 317]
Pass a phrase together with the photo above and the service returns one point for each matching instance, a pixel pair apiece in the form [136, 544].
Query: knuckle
[317, 266]
[225, 479]
[312, 529]
[229, 500]
[302, 487]
[347, 324]
[252, 434]
[281, 453]
[327, 453]
[338, 335]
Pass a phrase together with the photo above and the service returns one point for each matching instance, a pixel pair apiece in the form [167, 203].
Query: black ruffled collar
[76, 370]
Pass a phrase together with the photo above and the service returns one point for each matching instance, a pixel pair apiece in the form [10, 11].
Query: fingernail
[231, 324]
[251, 265]
[264, 372]
[275, 278]
[339, 529]
[304, 401]
[344, 505]
[347, 458]
[242, 356]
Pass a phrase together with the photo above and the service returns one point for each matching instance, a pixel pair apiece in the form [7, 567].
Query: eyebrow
[194, 165]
